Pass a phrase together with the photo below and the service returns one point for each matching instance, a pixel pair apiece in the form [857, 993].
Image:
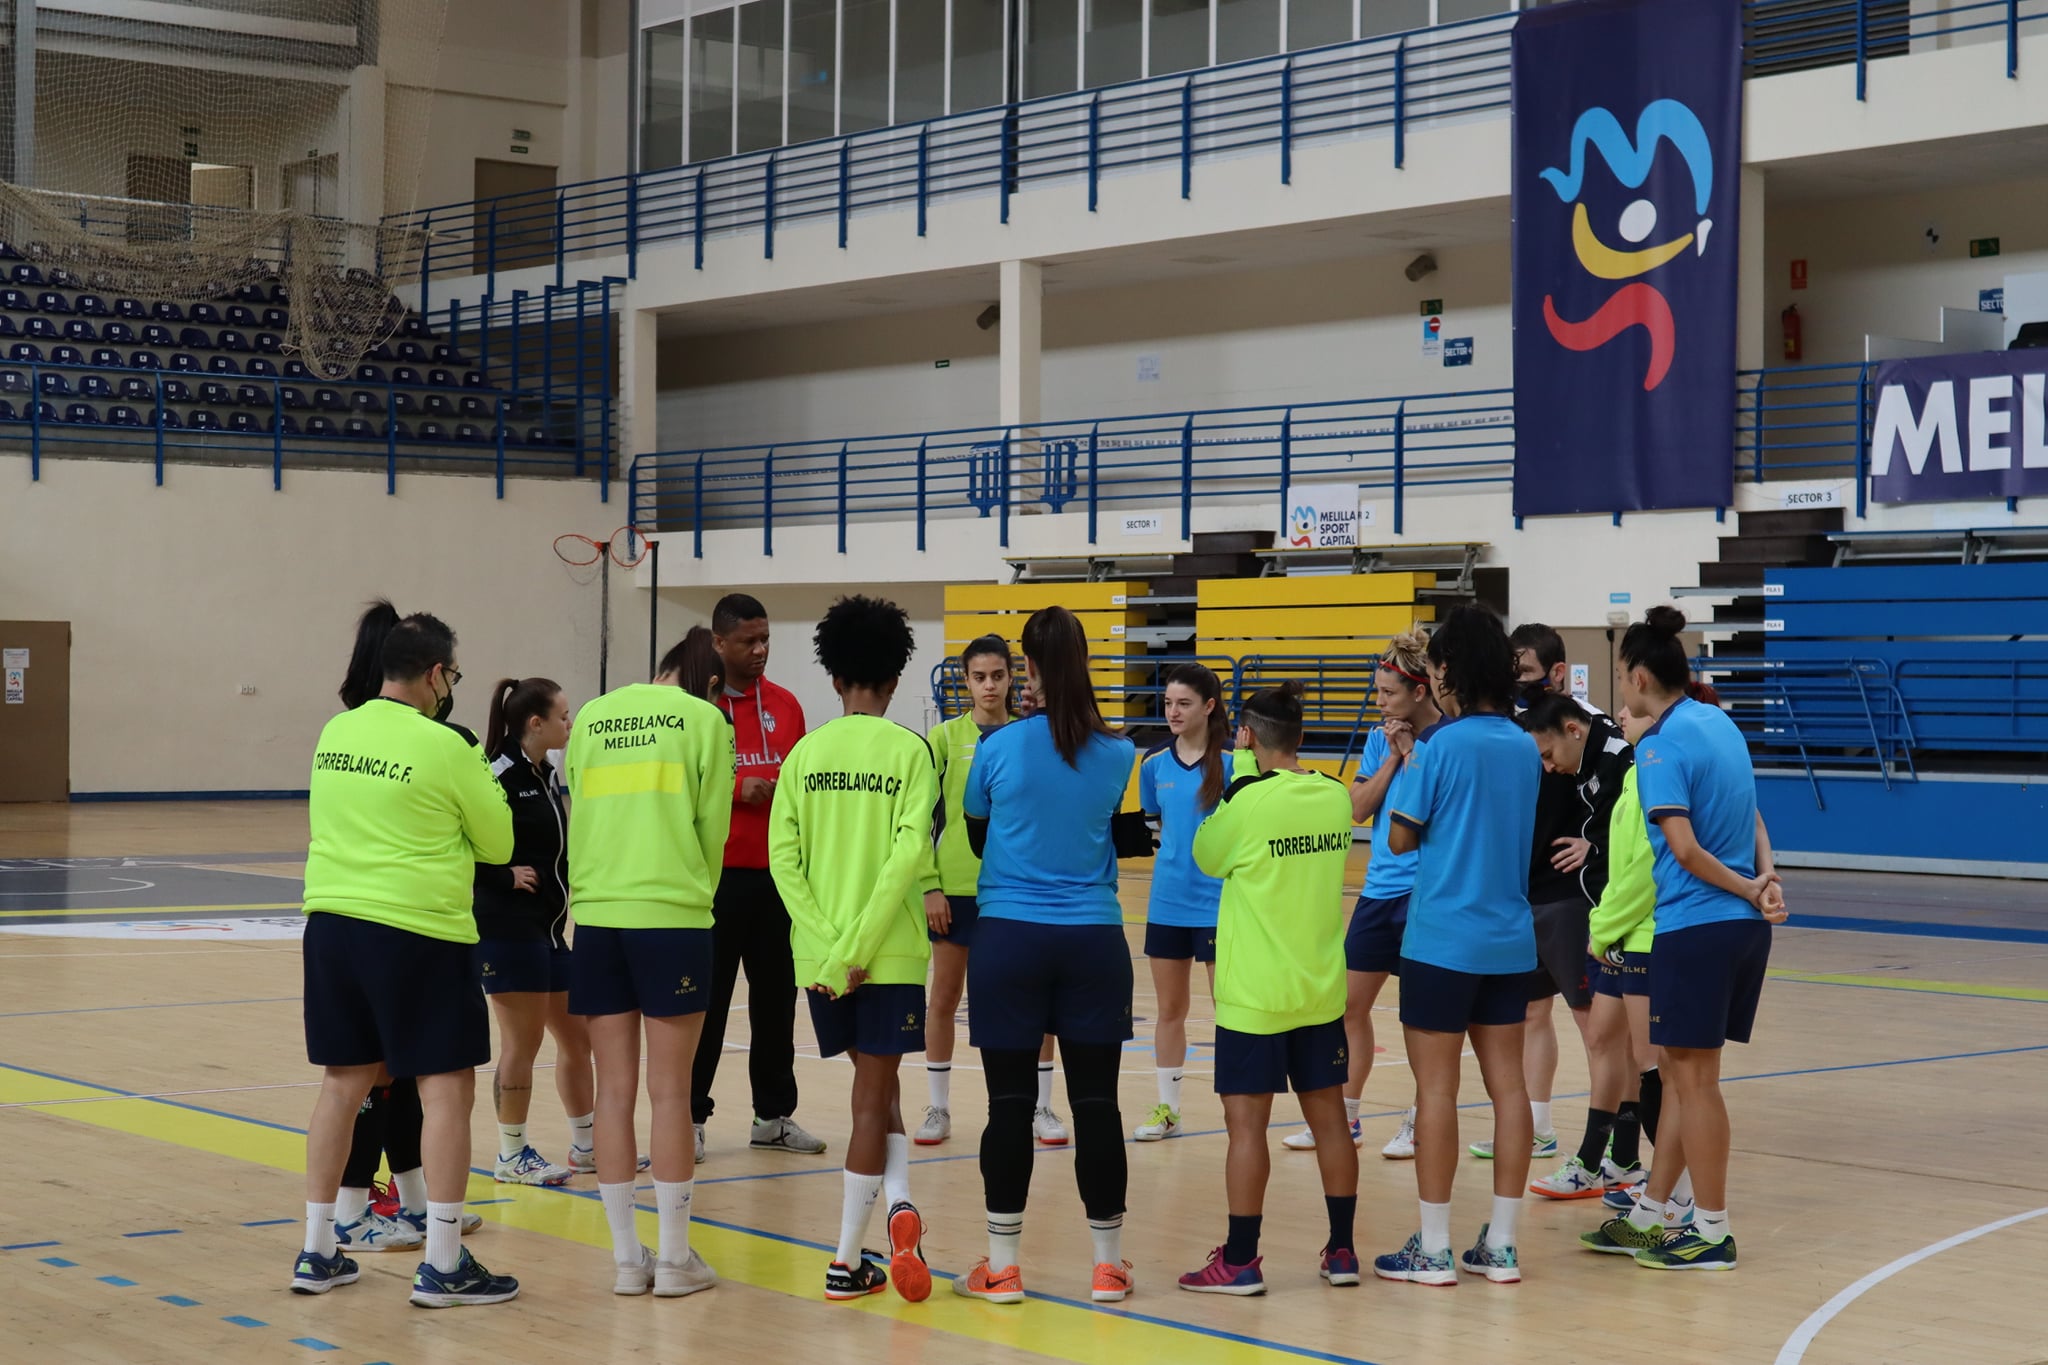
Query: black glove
[1131, 834]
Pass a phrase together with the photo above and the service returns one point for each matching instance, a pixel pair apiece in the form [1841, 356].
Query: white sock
[350, 1205]
[618, 1211]
[444, 1236]
[1351, 1110]
[580, 1133]
[940, 1076]
[1045, 1085]
[1109, 1241]
[1436, 1228]
[896, 1170]
[412, 1190]
[1711, 1225]
[1169, 1086]
[672, 1202]
[1500, 1233]
[1649, 1213]
[320, 1229]
[1539, 1110]
[854, 1212]
[1681, 1190]
[511, 1140]
[1005, 1236]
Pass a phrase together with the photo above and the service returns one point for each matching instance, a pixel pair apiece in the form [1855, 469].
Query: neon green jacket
[402, 810]
[1627, 912]
[953, 743]
[848, 837]
[650, 772]
[1279, 842]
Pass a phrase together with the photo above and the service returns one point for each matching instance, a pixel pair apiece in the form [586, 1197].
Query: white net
[210, 149]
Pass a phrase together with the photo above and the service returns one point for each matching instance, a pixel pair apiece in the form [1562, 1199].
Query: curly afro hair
[866, 641]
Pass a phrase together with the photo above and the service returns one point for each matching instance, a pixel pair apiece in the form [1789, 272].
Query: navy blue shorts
[1179, 942]
[1315, 1057]
[378, 994]
[662, 973]
[966, 914]
[521, 964]
[1372, 941]
[1631, 978]
[1705, 983]
[1026, 980]
[881, 1021]
[1439, 1000]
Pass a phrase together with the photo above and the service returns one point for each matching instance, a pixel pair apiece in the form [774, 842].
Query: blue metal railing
[1387, 84]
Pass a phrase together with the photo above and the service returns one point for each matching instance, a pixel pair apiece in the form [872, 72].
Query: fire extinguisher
[1795, 345]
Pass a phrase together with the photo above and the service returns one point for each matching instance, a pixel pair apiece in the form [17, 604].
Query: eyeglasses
[453, 674]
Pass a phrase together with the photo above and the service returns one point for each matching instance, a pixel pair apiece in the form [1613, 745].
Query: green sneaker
[1619, 1237]
[1163, 1122]
[1688, 1250]
[1545, 1145]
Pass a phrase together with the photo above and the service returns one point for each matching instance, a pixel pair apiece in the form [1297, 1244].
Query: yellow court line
[1895, 983]
[158, 909]
[759, 1260]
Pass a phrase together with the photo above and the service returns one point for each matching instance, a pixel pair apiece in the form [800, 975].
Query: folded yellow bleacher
[1332, 615]
[977, 609]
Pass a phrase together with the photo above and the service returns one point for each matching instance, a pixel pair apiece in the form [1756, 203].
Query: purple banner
[1960, 426]
[1627, 126]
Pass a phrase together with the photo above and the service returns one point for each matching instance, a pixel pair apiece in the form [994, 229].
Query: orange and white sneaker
[907, 1268]
[991, 1286]
[1112, 1283]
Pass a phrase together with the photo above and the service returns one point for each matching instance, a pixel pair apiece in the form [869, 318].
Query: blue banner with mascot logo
[1627, 122]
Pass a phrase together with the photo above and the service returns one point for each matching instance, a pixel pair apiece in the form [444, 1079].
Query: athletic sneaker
[468, 1285]
[936, 1128]
[1619, 1237]
[1402, 1147]
[784, 1135]
[1570, 1181]
[384, 1199]
[907, 1268]
[1112, 1283]
[1687, 1250]
[674, 1281]
[375, 1232]
[1416, 1266]
[1622, 1199]
[1614, 1177]
[583, 1160]
[843, 1282]
[418, 1222]
[1047, 1128]
[636, 1278]
[700, 1141]
[1678, 1215]
[1005, 1286]
[1305, 1140]
[1498, 1265]
[1221, 1277]
[1545, 1145]
[314, 1274]
[1339, 1267]
[1164, 1122]
[528, 1167]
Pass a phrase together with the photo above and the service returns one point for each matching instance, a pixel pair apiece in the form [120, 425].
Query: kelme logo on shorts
[687, 987]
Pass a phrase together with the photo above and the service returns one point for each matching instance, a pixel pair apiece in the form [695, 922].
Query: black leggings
[1007, 1146]
[389, 1122]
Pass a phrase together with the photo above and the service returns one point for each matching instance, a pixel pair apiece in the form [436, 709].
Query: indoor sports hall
[1277, 337]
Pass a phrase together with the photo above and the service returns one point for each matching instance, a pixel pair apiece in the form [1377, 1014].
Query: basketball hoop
[625, 547]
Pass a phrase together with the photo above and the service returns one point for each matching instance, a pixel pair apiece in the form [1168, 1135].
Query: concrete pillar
[1022, 297]
[639, 384]
[1753, 289]
[22, 166]
[362, 161]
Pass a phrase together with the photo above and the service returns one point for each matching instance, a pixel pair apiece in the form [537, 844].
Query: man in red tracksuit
[750, 925]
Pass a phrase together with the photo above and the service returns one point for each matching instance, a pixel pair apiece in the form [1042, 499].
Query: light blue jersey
[1472, 797]
[1389, 874]
[1048, 858]
[1182, 894]
[1695, 763]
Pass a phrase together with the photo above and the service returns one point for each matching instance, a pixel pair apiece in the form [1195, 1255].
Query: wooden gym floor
[1888, 1184]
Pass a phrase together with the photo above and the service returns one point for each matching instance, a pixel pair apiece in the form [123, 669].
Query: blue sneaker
[418, 1222]
[318, 1274]
[1688, 1250]
[1413, 1264]
[1498, 1265]
[1221, 1277]
[1340, 1267]
[1621, 1201]
[466, 1285]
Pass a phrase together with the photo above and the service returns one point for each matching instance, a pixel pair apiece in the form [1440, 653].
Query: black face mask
[445, 706]
[1531, 693]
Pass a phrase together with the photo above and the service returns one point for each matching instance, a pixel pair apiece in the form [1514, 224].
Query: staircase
[1762, 540]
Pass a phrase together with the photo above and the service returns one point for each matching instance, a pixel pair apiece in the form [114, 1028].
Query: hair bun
[1294, 688]
[1665, 620]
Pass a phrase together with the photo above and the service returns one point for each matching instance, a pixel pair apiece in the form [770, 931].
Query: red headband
[1387, 662]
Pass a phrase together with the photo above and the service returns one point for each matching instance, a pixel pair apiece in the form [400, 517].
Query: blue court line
[1919, 929]
[30, 1246]
[174, 1005]
[59, 1262]
[117, 1281]
[159, 1232]
[270, 1222]
[238, 1320]
[314, 1344]
[475, 1203]
[177, 1301]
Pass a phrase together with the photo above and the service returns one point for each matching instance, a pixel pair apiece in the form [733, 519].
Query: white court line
[1794, 1349]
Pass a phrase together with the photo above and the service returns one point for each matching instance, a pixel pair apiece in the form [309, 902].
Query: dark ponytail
[365, 676]
[515, 703]
[1703, 692]
[1198, 679]
[1274, 716]
[1053, 639]
[1652, 644]
[1477, 660]
[694, 662]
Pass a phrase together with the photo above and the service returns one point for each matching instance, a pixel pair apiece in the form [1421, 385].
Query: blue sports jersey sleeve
[974, 801]
[1375, 755]
[1418, 794]
[1661, 777]
[1148, 783]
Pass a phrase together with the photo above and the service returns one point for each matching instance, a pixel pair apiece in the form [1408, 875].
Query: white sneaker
[674, 1281]
[637, 1278]
[1402, 1145]
[1613, 1177]
[1572, 1180]
[583, 1160]
[374, 1232]
[1544, 1145]
[700, 1142]
[782, 1135]
[1163, 1122]
[1047, 1128]
[1303, 1141]
[528, 1167]
[936, 1128]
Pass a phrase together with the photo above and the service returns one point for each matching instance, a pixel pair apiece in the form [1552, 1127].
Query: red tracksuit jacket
[767, 722]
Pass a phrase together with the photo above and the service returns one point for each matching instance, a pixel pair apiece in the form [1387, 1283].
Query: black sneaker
[317, 1274]
[856, 1282]
[466, 1285]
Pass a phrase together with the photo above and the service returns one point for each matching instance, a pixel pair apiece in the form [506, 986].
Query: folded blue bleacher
[40, 326]
[51, 302]
[95, 386]
[223, 364]
[78, 329]
[85, 414]
[145, 360]
[260, 367]
[177, 391]
[66, 354]
[121, 415]
[205, 419]
[185, 363]
[118, 333]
